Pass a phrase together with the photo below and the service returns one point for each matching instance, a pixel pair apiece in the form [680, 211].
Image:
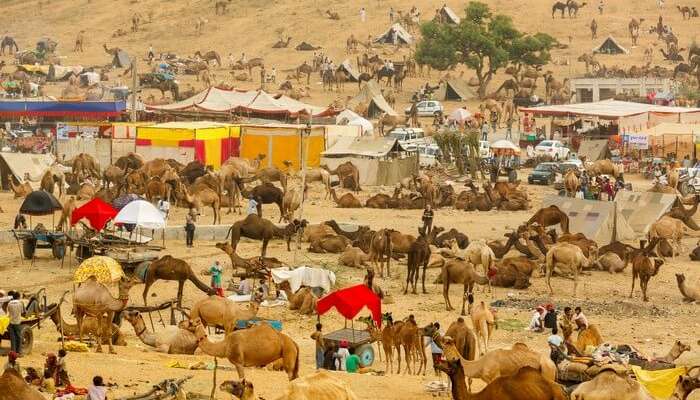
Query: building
[589, 90]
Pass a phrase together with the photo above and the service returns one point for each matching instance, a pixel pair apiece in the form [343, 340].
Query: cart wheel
[366, 354]
[685, 189]
[59, 250]
[512, 176]
[28, 248]
[27, 336]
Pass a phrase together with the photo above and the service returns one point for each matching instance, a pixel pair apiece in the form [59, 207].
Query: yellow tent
[280, 142]
[104, 269]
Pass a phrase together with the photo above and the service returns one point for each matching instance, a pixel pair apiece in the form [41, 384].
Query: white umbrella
[460, 115]
[140, 213]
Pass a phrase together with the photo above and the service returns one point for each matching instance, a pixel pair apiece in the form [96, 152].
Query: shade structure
[350, 301]
[504, 145]
[460, 115]
[104, 269]
[140, 213]
[121, 201]
[96, 211]
[40, 202]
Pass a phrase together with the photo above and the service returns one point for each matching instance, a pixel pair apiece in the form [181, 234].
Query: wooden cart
[360, 341]
[34, 321]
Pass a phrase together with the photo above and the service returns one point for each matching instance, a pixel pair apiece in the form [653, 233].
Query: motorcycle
[689, 181]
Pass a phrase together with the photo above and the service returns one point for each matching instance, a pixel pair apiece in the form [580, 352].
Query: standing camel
[418, 254]
[169, 268]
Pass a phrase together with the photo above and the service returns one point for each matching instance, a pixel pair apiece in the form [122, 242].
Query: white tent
[505, 144]
[460, 115]
[395, 33]
[142, 214]
[305, 276]
[642, 209]
[349, 117]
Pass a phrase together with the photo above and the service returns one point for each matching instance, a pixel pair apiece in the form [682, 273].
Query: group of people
[55, 373]
[599, 188]
[335, 357]
[547, 317]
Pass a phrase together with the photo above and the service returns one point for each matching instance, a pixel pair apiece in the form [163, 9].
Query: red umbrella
[96, 211]
[350, 301]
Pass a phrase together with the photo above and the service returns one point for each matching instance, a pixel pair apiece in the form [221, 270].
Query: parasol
[96, 211]
[141, 213]
[40, 202]
[460, 115]
[350, 301]
[123, 200]
[104, 269]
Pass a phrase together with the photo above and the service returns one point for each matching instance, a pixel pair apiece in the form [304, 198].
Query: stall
[282, 143]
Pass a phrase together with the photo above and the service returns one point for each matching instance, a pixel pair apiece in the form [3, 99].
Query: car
[427, 108]
[484, 149]
[570, 164]
[544, 173]
[410, 138]
[428, 155]
[552, 148]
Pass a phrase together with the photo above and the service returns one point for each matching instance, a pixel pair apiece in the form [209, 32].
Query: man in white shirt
[14, 311]
[537, 321]
[164, 208]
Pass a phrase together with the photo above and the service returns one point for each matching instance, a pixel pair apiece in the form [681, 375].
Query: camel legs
[107, 320]
[408, 358]
[643, 283]
[634, 277]
[409, 278]
[145, 292]
[264, 247]
[468, 295]
[446, 292]
[548, 277]
[425, 267]
[180, 287]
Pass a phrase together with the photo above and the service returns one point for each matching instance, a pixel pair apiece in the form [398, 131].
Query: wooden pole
[134, 89]
[213, 388]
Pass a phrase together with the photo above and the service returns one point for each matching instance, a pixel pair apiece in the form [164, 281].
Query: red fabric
[230, 147]
[200, 152]
[350, 301]
[96, 211]
[187, 143]
[143, 142]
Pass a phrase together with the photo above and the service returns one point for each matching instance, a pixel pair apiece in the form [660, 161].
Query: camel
[568, 258]
[381, 246]
[85, 165]
[14, 387]
[113, 175]
[571, 183]
[320, 175]
[609, 385]
[460, 272]
[604, 167]
[354, 235]
[93, 299]
[464, 339]
[676, 351]
[20, 190]
[329, 244]
[266, 193]
[549, 216]
[303, 300]
[169, 268]
[645, 268]
[66, 212]
[612, 262]
[559, 7]
[686, 215]
[171, 340]
[483, 321]
[345, 171]
[221, 312]
[380, 201]
[501, 362]
[90, 326]
[418, 254]
[269, 174]
[201, 197]
[477, 253]
[453, 234]
[291, 201]
[353, 257]
[316, 231]
[256, 346]
[320, 385]
[512, 272]
[669, 228]
[282, 44]
[209, 56]
[590, 62]
[257, 228]
[690, 293]
[348, 200]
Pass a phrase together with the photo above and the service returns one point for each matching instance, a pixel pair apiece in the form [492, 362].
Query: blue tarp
[62, 108]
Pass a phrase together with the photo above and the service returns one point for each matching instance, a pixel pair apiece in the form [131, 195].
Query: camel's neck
[472, 369]
[216, 349]
[674, 353]
[459, 386]
[288, 293]
[148, 338]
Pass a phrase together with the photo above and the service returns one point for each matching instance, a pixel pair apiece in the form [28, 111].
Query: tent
[96, 211]
[60, 73]
[396, 34]
[642, 209]
[349, 117]
[610, 46]
[121, 59]
[381, 161]
[593, 150]
[448, 16]
[211, 143]
[282, 142]
[371, 95]
[40, 202]
[598, 220]
[350, 301]
[142, 214]
[20, 165]
[455, 89]
[353, 75]
[460, 115]
[304, 276]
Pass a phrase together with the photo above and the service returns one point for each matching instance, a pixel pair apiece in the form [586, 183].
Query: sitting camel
[512, 272]
[321, 385]
[609, 385]
[14, 387]
[690, 293]
[354, 257]
[171, 340]
[303, 300]
[330, 244]
[220, 311]
[90, 327]
[348, 200]
[250, 265]
[256, 346]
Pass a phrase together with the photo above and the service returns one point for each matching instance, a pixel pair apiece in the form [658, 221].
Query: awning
[363, 146]
[96, 211]
[608, 109]
[23, 164]
[350, 301]
[95, 109]
[141, 213]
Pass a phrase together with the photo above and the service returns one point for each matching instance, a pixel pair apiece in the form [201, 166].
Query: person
[494, 121]
[600, 7]
[216, 272]
[189, 229]
[15, 308]
[97, 391]
[48, 384]
[352, 364]
[164, 208]
[317, 336]
[413, 114]
[686, 162]
[264, 288]
[342, 356]
[550, 319]
[363, 15]
[151, 53]
[580, 319]
[329, 358]
[391, 14]
[273, 75]
[20, 222]
[537, 323]
[485, 130]
[252, 205]
[12, 362]
[244, 287]
[428, 215]
[50, 366]
[244, 59]
[62, 378]
[231, 60]
[436, 350]
[509, 128]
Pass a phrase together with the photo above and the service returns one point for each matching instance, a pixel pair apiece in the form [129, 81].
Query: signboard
[638, 141]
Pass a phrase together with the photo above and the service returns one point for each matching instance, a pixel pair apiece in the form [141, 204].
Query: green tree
[483, 42]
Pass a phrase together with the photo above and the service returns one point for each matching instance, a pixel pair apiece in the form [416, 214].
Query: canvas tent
[454, 89]
[641, 209]
[396, 34]
[371, 95]
[282, 142]
[121, 59]
[349, 117]
[209, 142]
[593, 150]
[598, 220]
[610, 46]
[20, 165]
[448, 16]
[353, 76]
[381, 161]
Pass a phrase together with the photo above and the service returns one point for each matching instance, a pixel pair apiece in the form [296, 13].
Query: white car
[427, 108]
[428, 155]
[552, 148]
[484, 149]
[410, 138]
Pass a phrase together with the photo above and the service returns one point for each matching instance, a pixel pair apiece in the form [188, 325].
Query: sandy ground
[652, 327]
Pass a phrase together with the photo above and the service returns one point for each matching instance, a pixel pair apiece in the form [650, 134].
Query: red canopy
[96, 211]
[350, 301]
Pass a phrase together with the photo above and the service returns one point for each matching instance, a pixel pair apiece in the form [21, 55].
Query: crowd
[599, 188]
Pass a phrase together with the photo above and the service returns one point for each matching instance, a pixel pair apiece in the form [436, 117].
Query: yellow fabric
[4, 323]
[284, 148]
[659, 384]
[155, 133]
[316, 145]
[76, 347]
[234, 131]
[105, 269]
[252, 145]
[165, 143]
[212, 133]
[212, 153]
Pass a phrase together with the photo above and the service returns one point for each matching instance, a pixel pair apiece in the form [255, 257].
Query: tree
[483, 42]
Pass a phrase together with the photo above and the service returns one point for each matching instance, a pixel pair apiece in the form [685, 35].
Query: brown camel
[686, 215]
[346, 170]
[513, 272]
[418, 254]
[257, 228]
[169, 268]
[354, 235]
[348, 200]
[690, 293]
[549, 216]
[93, 299]
[484, 321]
[571, 183]
[291, 202]
[330, 244]
[14, 387]
[460, 272]
[66, 212]
[250, 265]
[316, 231]
[200, 197]
[464, 339]
[208, 56]
[321, 385]
[256, 346]
[113, 175]
[21, 189]
[379, 200]
[85, 165]
[568, 258]
[381, 246]
[267, 175]
[129, 162]
[645, 268]
[320, 175]
[90, 326]
[303, 300]
[266, 193]
[282, 44]
[222, 312]
[171, 340]
[354, 257]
